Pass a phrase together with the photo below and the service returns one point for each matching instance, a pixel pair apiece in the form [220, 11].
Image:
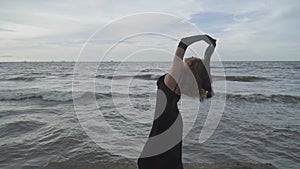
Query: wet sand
[74, 165]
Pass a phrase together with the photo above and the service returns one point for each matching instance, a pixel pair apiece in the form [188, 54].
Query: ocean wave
[62, 96]
[225, 67]
[18, 78]
[143, 76]
[122, 95]
[33, 76]
[151, 70]
[241, 78]
[155, 77]
[32, 94]
[17, 128]
[259, 98]
[66, 96]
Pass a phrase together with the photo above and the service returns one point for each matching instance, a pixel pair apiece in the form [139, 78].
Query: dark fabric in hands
[182, 45]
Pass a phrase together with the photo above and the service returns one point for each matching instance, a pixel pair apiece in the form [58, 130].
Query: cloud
[6, 30]
[56, 29]
[5, 56]
[260, 32]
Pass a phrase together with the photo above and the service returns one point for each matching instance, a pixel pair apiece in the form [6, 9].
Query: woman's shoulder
[163, 86]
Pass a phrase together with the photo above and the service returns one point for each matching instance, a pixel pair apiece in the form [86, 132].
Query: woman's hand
[211, 40]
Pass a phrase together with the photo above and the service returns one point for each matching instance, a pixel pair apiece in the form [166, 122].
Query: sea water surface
[39, 125]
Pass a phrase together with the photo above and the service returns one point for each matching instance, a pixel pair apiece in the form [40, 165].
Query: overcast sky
[35, 30]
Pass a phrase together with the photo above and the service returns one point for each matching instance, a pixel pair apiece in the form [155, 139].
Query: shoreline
[77, 165]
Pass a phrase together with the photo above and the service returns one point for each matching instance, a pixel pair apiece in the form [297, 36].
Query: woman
[191, 76]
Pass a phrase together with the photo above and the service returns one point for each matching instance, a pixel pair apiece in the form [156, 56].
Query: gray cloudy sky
[56, 30]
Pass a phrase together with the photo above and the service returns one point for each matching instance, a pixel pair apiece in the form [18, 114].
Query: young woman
[191, 76]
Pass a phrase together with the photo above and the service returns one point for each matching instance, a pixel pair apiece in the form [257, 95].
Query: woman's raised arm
[174, 74]
[185, 42]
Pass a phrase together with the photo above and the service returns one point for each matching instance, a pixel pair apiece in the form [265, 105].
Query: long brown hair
[202, 77]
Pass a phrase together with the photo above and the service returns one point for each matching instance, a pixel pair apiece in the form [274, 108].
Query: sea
[42, 121]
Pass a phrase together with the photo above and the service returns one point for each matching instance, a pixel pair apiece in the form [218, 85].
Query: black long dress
[172, 158]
